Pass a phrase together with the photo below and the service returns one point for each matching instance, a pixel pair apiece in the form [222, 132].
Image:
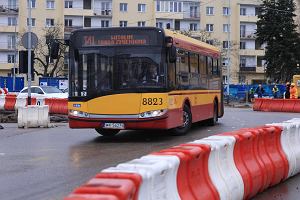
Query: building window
[159, 24]
[242, 31]
[50, 4]
[225, 28]
[68, 4]
[242, 45]
[87, 4]
[226, 11]
[211, 42]
[225, 44]
[168, 6]
[123, 7]
[68, 22]
[106, 8]
[142, 7]
[11, 41]
[209, 10]
[193, 27]
[11, 21]
[32, 22]
[11, 58]
[256, 11]
[209, 27]
[168, 26]
[194, 12]
[49, 22]
[141, 24]
[12, 4]
[242, 62]
[104, 23]
[123, 23]
[87, 22]
[243, 11]
[32, 3]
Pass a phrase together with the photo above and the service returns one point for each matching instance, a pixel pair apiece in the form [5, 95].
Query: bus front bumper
[169, 120]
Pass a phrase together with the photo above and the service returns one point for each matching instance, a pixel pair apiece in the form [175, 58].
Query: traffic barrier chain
[10, 102]
[277, 105]
[229, 166]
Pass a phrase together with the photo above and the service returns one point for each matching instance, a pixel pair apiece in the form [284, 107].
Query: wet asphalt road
[47, 164]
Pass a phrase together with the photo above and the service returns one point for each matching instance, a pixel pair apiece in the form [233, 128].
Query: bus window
[203, 72]
[182, 68]
[194, 70]
[104, 72]
[171, 76]
[209, 65]
[215, 68]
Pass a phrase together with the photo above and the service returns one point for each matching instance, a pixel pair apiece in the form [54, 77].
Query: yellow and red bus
[142, 78]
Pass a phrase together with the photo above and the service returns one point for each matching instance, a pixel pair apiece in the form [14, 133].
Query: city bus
[142, 78]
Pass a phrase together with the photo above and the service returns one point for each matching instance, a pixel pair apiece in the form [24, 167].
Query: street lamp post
[29, 51]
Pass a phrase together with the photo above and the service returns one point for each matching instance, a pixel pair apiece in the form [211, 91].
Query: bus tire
[214, 120]
[187, 122]
[107, 132]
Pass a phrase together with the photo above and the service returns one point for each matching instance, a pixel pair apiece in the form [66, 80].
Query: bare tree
[205, 36]
[44, 65]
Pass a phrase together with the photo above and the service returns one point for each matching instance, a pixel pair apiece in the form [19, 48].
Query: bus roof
[192, 44]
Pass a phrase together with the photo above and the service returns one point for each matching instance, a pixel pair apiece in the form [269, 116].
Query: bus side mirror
[172, 54]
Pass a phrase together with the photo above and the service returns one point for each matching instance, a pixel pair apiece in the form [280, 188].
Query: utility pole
[229, 48]
[29, 51]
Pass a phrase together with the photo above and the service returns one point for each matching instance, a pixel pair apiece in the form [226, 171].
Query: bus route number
[152, 101]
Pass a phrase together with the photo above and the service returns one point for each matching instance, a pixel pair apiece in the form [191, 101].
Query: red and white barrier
[10, 102]
[230, 166]
[277, 105]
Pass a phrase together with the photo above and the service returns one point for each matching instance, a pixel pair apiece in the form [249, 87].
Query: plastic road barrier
[229, 166]
[277, 105]
[33, 117]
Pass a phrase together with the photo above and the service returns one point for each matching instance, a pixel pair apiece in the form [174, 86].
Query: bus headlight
[77, 113]
[153, 113]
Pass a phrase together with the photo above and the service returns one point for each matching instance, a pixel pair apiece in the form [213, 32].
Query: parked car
[43, 91]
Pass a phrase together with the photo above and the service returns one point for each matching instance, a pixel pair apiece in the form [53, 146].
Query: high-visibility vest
[294, 93]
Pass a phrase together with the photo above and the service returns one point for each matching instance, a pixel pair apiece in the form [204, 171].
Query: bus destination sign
[111, 40]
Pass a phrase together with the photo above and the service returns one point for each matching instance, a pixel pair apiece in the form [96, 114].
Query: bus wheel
[107, 132]
[187, 122]
[213, 121]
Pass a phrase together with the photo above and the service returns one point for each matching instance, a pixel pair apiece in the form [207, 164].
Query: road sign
[34, 40]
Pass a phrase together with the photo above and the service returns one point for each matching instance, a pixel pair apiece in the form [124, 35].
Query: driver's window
[25, 91]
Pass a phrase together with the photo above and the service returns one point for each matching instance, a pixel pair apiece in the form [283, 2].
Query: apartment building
[233, 23]
[8, 34]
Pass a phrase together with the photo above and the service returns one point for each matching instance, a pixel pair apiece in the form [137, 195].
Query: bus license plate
[114, 126]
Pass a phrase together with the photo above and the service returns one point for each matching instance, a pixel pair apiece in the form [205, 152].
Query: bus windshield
[106, 70]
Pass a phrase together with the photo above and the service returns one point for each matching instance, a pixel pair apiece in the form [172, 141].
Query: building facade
[232, 23]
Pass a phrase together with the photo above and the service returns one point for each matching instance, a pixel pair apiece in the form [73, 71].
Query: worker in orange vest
[293, 91]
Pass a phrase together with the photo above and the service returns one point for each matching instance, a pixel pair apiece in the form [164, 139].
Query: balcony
[8, 29]
[6, 10]
[167, 15]
[6, 66]
[247, 69]
[248, 18]
[252, 52]
[248, 35]
[192, 16]
[103, 13]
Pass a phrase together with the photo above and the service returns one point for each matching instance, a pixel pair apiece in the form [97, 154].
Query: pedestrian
[251, 94]
[287, 90]
[293, 91]
[259, 91]
[275, 91]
